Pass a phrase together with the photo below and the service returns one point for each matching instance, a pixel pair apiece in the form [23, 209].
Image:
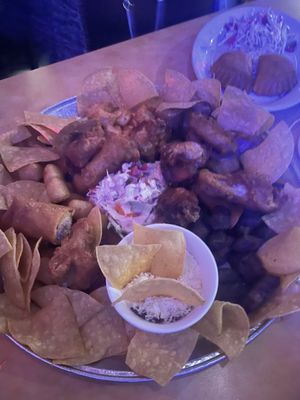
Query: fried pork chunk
[177, 206]
[239, 188]
[180, 161]
[206, 130]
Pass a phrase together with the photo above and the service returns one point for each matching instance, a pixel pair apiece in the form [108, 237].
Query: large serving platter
[114, 368]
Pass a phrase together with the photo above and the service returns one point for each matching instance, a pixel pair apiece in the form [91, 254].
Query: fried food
[177, 87]
[272, 157]
[275, 76]
[32, 172]
[149, 132]
[80, 141]
[233, 68]
[208, 91]
[120, 264]
[180, 161]
[177, 206]
[207, 130]
[116, 150]
[74, 263]
[36, 219]
[56, 187]
[239, 188]
[15, 157]
[239, 113]
[81, 208]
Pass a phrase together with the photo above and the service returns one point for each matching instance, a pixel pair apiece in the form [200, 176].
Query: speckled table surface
[268, 368]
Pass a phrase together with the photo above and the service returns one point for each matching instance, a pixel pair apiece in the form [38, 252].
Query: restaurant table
[268, 368]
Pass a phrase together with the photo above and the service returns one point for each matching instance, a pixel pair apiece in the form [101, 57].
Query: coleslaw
[130, 195]
[257, 33]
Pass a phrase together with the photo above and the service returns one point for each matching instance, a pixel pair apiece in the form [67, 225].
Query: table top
[269, 367]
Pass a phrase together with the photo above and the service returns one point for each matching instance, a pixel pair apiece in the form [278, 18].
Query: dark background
[39, 32]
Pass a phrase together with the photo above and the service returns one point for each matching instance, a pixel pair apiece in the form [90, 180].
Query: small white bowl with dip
[209, 279]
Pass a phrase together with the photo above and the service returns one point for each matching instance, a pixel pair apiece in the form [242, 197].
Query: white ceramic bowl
[205, 260]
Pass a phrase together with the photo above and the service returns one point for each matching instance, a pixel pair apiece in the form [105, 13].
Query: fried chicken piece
[177, 206]
[180, 161]
[74, 263]
[202, 129]
[80, 141]
[116, 150]
[149, 132]
[239, 188]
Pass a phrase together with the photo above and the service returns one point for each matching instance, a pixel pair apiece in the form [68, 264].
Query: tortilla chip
[17, 157]
[113, 86]
[175, 106]
[24, 262]
[160, 357]
[100, 88]
[208, 90]
[84, 306]
[287, 215]
[169, 260]
[52, 122]
[283, 302]
[103, 336]
[273, 156]
[5, 177]
[52, 332]
[287, 280]
[5, 245]
[15, 136]
[134, 86]
[47, 135]
[161, 287]
[120, 264]
[280, 255]
[35, 266]
[227, 326]
[240, 114]
[176, 88]
[9, 311]
[101, 295]
[31, 190]
[10, 273]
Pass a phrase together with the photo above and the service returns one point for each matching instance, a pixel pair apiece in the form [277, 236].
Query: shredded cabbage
[258, 33]
[130, 195]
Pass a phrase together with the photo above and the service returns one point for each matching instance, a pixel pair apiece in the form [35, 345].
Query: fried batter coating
[79, 141]
[239, 188]
[149, 132]
[207, 130]
[74, 263]
[116, 150]
[177, 206]
[180, 161]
